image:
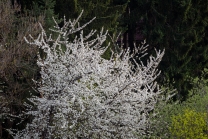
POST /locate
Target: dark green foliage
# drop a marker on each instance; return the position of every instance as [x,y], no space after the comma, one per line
[46,7]
[108,14]
[181,28]
[41,7]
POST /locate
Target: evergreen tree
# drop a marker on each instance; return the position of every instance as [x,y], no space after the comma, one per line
[41,7]
[108,15]
[181,28]
[45,7]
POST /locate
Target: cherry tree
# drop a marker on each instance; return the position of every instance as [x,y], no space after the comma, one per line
[86,96]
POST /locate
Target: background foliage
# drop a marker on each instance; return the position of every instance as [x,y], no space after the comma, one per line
[181,28]
[18,61]
[162,117]
[190,124]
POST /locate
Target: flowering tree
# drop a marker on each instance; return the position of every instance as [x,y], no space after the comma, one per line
[86,96]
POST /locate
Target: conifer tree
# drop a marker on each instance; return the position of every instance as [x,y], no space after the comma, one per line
[46,7]
[108,15]
[181,28]
[41,7]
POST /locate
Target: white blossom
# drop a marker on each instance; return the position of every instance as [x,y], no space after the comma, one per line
[87,96]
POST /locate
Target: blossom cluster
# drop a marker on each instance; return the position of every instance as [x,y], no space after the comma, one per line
[86,96]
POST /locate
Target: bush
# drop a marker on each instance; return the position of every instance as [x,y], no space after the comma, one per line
[189,125]
[162,118]
[86,96]
[18,62]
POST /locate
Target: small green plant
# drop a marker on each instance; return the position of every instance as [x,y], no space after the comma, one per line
[189,125]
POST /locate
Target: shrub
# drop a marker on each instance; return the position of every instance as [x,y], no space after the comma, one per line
[87,96]
[161,119]
[18,62]
[189,125]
